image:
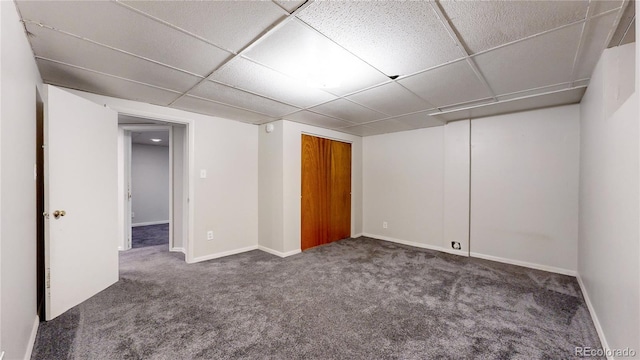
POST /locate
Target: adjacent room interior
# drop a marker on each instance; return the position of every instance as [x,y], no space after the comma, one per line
[319,179]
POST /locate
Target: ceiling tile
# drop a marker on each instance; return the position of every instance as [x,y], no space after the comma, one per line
[290,5]
[359,130]
[228,95]
[349,111]
[566,97]
[74,78]
[229,24]
[54,45]
[484,25]
[540,61]
[596,34]
[447,85]
[377,128]
[311,118]
[306,55]
[418,120]
[626,26]
[397,37]
[108,23]
[144,137]
[201,106]
[391,99]
[247,75]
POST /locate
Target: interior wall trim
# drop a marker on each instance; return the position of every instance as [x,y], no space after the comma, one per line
[222,254]
[594,316]
[279,253]
[32,338]
[552,269]
[159,222]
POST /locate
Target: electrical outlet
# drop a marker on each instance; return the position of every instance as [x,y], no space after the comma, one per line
[385,225]
[209,235]
[133,214]
[456,245]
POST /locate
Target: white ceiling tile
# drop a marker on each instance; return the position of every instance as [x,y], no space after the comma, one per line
[304,54]
[67,76]
[377,128]
[54,45]
[447,85]
[247,75]
[349,111]
[228,95]
[391,99]
[108,23]
[359,130]
[596,34]
[397,37]
[291,5]
[484,25]
[565,97]
[311,118]
[540,61]
[229,24]
[201,106]
[144,137]
[418,120]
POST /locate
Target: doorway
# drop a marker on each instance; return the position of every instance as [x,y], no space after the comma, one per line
[326,191]
[153,178]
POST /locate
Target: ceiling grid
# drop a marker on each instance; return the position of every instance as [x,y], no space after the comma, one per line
[363,68]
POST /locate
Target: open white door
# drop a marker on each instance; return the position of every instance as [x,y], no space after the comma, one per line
[81,225]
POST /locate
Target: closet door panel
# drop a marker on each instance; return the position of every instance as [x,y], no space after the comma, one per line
[315,191]
[340,191]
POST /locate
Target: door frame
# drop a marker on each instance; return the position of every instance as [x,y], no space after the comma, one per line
[125,208]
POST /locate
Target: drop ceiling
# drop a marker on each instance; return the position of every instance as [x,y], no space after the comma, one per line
[358,67]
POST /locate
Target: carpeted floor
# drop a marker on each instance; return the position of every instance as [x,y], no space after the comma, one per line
[352,299]
[150,235]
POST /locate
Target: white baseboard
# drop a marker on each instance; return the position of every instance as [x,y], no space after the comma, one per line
[403,242]
[279,253]
[592,312]
[150,223]
[455,252]
[355,236]
[177,249]
[32,338]
[552,269]
[222,254]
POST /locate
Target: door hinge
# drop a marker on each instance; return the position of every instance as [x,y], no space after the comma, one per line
[48,278]
[45,214]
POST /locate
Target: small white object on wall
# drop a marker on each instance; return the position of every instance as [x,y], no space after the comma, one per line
[269,128]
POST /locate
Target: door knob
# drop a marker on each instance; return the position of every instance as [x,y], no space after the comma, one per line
[58,213]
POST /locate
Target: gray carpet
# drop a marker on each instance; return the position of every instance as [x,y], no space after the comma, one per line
[352,299]
[150,235]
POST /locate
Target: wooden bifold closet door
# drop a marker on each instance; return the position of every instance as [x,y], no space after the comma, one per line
[326,191]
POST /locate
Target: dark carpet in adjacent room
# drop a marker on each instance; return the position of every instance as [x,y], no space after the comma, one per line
[150,235]
[352,299]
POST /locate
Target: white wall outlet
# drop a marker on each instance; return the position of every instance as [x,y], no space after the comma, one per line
[133,214]
[209,235]
[385,225]
[203,173]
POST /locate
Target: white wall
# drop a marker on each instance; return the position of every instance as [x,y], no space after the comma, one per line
[226,201]
[20,78]
[149,184]
[292,180]
[404,185]
[524,188]
[609,209]
[271,188]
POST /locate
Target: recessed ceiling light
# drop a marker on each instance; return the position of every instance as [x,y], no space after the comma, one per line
[156,140]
